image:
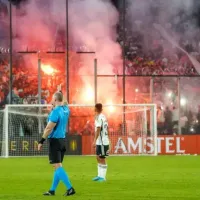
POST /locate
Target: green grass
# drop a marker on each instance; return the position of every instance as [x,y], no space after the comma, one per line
[134,178]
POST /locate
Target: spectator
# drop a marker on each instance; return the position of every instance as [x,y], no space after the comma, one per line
[198,121]
[15,97]
[160,119]
[168,121]
[175,119]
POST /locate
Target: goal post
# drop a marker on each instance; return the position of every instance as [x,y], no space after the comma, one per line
[22,126]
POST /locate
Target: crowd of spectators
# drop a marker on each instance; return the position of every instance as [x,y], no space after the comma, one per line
[147,52]
[24,85]
[168,121]
[25,82]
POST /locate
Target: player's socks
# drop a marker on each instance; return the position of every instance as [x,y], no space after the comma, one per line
[103,171]
[55,181]
[99,170]
[64,177]
[99,173]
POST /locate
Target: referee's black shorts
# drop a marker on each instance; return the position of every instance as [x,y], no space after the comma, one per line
[57,148]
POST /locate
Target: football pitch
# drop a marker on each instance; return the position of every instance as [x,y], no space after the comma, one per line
[134,178]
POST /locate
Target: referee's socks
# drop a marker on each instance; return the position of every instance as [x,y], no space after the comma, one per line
[62,175]
[55,182]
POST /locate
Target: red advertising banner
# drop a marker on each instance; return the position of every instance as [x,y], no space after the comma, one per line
[166,145]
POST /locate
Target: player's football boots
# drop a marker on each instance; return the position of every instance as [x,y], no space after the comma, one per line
[101,179]
[96,178]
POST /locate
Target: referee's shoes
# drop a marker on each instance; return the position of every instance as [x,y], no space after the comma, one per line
[69,192]
[49,193]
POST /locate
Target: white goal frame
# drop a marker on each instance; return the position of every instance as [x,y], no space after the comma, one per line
[5,137]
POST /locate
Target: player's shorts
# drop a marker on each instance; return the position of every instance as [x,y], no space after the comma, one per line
[102,151]
[57,148]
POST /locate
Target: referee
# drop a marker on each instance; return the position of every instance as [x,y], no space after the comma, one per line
[55,132]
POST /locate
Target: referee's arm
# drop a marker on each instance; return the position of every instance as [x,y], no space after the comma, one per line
[50,126]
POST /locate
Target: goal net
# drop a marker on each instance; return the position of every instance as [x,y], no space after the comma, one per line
[132,129]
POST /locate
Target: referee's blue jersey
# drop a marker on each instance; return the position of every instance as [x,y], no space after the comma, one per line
[60,116]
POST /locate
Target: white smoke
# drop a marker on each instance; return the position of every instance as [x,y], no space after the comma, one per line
[167,14]
[32,27]
[171,21]
[93,25]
